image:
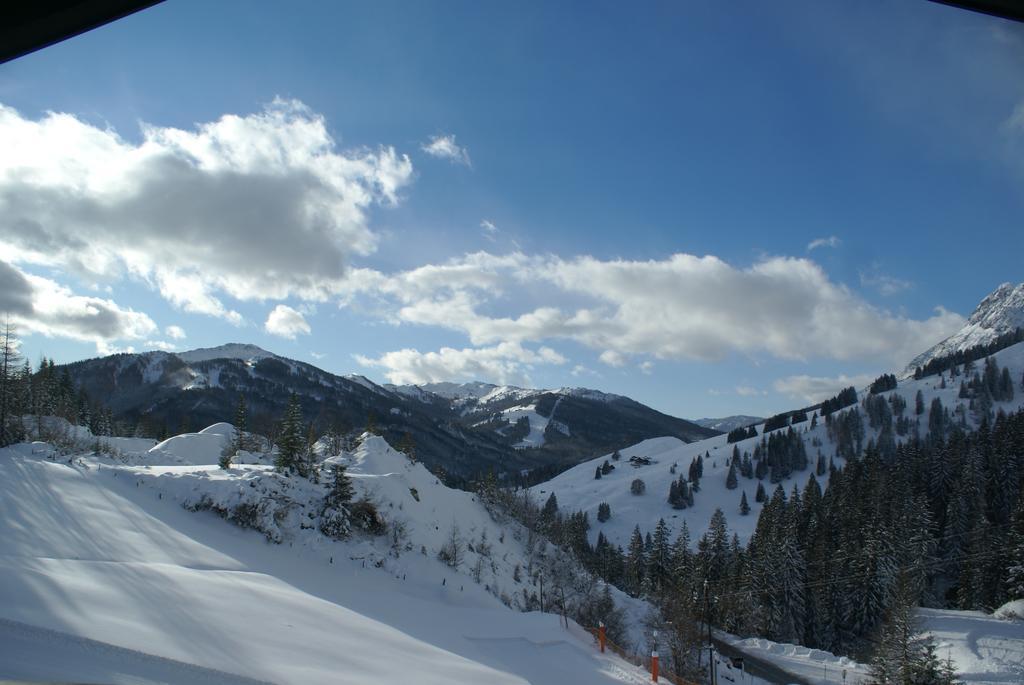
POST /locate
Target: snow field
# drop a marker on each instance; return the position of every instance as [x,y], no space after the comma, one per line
[103,549]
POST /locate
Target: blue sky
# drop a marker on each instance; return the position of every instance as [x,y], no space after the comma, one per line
[593,194]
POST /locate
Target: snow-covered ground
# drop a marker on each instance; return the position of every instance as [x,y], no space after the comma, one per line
[105,576]
[985,649]
[538,424]
[577,489]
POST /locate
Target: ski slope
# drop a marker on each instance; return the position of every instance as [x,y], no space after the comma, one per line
[105,576]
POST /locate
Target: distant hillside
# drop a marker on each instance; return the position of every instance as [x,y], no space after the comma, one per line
[467,430]
[728,423]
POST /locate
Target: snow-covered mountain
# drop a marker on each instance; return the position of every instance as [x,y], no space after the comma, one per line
[572,422]
[659,461]
[466,429]
[124,574]
[727,423]
[1000,313]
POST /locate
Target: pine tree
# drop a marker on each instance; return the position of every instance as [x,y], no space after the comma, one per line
[744,506]
[731,481]
[549,515]
[597,473]
[290,440]
[341,492]
[241,441]
[604,512]
[902,655]
[9,361]
[919,403]
[636,563]
[660,556]
[1015,567]
[760,495]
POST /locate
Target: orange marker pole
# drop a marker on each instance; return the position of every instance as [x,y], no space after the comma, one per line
[600,635]
[654,666]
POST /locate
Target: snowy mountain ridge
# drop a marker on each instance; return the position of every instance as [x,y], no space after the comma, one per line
[1001,312]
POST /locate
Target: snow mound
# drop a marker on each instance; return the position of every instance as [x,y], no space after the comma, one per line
[223,429]
[1012,610]
[203,448]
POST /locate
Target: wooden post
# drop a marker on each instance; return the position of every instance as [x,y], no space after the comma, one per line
[600,635]
[654,666]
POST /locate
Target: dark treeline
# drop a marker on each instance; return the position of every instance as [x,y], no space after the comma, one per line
[27,395]
[883,383]
[971,354]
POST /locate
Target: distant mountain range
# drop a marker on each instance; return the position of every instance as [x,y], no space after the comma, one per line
[466,429]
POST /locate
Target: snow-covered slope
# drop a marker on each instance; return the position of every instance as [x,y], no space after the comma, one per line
[727,423]
[577,488]
[1001,312]
[108,575]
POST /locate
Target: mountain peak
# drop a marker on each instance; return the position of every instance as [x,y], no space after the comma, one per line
[999,313]
[241,351]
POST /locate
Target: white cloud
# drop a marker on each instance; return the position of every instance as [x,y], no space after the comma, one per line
[317,355]
[884,284]
[813,389]
[646,367]
[41,305]
[286,322]
[831,241]
[681,307]
[613,358]
[445,147]
[256,207]
[160,345]
[747,391]
[490,231]
[175,332]
[505,363]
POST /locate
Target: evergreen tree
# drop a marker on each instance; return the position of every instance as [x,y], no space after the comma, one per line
[636,563]
[919,403]
[660,557]
[240,440]
[760,495]
[597,473]
[1015,566]
[903,656]
[604,512]
[731,481]
[290,439]
[341,492]
[744,506]
[9,361]
[549,514]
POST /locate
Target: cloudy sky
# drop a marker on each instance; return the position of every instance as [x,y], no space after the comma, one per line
[711,212]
